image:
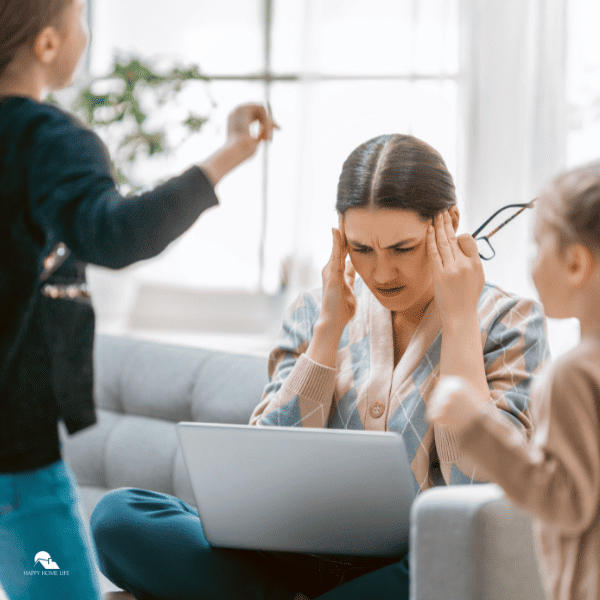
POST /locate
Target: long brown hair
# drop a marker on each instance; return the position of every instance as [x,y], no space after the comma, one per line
[398,172]
[22,20]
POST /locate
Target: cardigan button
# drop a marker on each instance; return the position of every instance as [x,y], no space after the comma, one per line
[377,410]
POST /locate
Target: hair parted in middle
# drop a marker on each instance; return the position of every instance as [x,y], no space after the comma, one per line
[396,172]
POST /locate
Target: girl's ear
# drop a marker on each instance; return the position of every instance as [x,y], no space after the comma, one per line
[580,264]
[46,45]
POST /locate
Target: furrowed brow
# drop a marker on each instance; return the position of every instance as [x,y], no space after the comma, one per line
[396,245]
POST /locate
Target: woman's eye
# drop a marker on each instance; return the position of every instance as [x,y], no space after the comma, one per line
[403,250]
[362,250]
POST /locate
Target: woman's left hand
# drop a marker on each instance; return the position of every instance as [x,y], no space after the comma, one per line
[458,276]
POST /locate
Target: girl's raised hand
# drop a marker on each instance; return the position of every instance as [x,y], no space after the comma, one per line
[238,128]
[241,144]
[453,404]
[458,276]
[339,301]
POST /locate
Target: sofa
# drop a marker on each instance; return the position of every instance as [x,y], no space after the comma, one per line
[467,542]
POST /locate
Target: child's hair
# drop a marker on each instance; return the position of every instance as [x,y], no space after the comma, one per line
[575,204]
[22,20]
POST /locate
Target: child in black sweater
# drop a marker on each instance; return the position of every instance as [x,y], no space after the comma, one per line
[57,191]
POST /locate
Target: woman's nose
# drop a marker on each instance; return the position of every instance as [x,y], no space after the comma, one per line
[384,271]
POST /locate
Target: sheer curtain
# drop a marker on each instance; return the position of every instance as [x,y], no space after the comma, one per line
[513,115]
[483,82]
[366,68]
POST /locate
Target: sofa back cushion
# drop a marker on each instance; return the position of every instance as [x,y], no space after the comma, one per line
[142,389]
[176,383]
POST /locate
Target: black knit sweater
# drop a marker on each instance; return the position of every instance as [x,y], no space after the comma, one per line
[56,185]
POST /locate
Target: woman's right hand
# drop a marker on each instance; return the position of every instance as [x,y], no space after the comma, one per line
[339,301]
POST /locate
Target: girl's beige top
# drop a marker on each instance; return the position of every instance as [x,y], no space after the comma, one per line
[557,477]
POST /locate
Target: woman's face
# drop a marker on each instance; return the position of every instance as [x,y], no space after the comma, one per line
[388,250]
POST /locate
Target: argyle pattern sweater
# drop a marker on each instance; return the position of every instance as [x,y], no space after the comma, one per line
[364,391]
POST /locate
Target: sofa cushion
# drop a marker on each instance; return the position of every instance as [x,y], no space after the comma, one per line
[176,383]
[142,390]
[228,387]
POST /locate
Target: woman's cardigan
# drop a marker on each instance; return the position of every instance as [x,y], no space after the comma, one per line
[365,391]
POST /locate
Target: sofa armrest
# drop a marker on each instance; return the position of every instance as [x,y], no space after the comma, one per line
[471,543]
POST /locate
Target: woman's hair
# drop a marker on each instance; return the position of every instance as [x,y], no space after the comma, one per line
[22,20]
[396,171]
[575,207]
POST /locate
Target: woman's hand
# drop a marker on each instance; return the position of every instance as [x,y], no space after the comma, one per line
[458,276]
[454,404]
[240,144]
[339,301]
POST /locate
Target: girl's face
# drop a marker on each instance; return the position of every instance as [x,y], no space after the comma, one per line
[388,250]
[74,39]
[548,269]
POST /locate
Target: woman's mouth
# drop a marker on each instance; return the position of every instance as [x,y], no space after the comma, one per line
[390,291]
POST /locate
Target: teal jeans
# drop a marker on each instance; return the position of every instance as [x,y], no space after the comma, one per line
[45,551]
[153,545]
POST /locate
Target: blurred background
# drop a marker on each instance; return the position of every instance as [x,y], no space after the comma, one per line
[508,91]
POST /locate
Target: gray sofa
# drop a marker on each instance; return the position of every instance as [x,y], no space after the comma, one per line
[467,542]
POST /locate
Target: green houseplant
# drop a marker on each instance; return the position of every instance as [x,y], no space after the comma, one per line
[119,111]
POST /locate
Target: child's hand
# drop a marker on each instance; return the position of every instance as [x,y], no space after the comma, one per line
[241,144]
[454,404]
[238,128]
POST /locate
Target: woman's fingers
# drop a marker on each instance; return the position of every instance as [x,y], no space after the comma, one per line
[343,240]
[432,249]
[441,237]
[350,274]
[468,245]
[450,233]
[338,256]
[343,232]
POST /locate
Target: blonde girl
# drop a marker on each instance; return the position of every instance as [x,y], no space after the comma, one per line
[557,477]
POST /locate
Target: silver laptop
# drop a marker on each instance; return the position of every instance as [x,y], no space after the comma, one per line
[300,489]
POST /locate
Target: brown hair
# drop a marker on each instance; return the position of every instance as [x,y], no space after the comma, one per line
[397,172]
[574,199]
[22,20]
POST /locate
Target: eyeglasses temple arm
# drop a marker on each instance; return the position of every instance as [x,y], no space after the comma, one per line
[521,206]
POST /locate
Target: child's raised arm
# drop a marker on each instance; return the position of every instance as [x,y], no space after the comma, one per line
[557,477]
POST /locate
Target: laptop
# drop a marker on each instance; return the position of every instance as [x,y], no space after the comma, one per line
[299,489]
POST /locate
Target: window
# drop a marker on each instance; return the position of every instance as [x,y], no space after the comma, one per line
[336,73]
[583,82]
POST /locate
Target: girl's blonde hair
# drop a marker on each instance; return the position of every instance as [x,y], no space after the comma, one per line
[22,20]
[575,207]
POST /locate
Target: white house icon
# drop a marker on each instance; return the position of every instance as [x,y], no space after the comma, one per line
[44,559]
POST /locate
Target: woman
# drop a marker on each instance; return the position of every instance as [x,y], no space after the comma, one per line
[365,352]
